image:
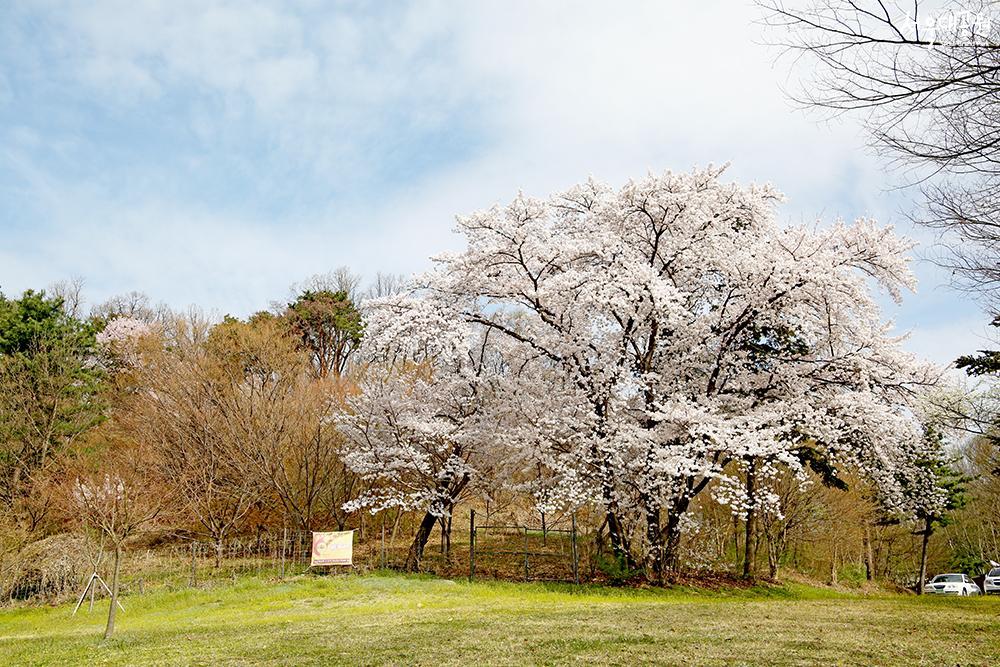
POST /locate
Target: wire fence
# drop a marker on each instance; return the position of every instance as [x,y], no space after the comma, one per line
[515,552]
[544,551]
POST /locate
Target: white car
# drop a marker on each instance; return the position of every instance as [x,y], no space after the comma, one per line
[952,584]
[991,586]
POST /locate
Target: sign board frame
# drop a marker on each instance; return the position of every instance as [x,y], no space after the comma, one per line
[332,548]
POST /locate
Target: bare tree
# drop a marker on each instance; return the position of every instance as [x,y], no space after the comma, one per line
[135,305]
[293,449]
[70,291]
[385,284]
[274,417]
[175,409]
[926,84]
[341,279]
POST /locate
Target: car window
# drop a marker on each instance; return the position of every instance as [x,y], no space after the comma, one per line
[995,572]
[947,578]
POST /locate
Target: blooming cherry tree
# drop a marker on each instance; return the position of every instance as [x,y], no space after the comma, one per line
[425,427]
[120,338]
[678,333]
[118,504]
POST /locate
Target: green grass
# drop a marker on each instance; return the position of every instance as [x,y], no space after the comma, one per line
[395,619]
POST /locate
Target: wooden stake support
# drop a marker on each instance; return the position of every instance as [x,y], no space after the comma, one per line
[90,588]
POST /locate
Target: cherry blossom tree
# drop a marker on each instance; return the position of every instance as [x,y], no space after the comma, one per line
[118,502]
[119,341]
[425,428]
[931,488]
[676,330]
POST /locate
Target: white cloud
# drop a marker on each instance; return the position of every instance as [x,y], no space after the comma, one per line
[122,78]
[944,341]
[556,91]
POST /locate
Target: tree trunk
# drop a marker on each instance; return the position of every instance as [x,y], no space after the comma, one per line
[772,561]
[619,541]
[218,552]
[776,546]
[736,540]
[616,532]
[928,528]
[395,528]
[748,536]
[866,538]
[447,534]
[672,543]
[114,593]
[655,538]
[444,527]
[416,552]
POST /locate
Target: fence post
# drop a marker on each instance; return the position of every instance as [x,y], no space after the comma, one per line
[256,553]
[284,545]
[383,542]
[472,543]
[525,553]
[194,572]
[576,555]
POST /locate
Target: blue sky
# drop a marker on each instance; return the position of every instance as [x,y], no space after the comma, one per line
[216,152]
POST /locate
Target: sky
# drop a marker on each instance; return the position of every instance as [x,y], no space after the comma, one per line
[214,153]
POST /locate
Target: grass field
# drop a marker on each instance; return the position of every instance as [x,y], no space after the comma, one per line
[380,619]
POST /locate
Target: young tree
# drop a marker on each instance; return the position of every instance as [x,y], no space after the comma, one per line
[796,506]
[932,490]
[118,499]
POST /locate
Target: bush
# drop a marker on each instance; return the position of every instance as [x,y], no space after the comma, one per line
[616,569]
[46,569]
[966,562]
[852,574]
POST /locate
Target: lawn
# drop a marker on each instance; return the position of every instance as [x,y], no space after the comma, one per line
[394,619]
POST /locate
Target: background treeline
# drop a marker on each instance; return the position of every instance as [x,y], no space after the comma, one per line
[136,423]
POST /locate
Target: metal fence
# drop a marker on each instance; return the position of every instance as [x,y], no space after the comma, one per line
[524,544]
[549,553]
[178,564]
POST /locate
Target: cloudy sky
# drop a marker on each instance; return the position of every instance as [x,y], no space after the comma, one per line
[216,152]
